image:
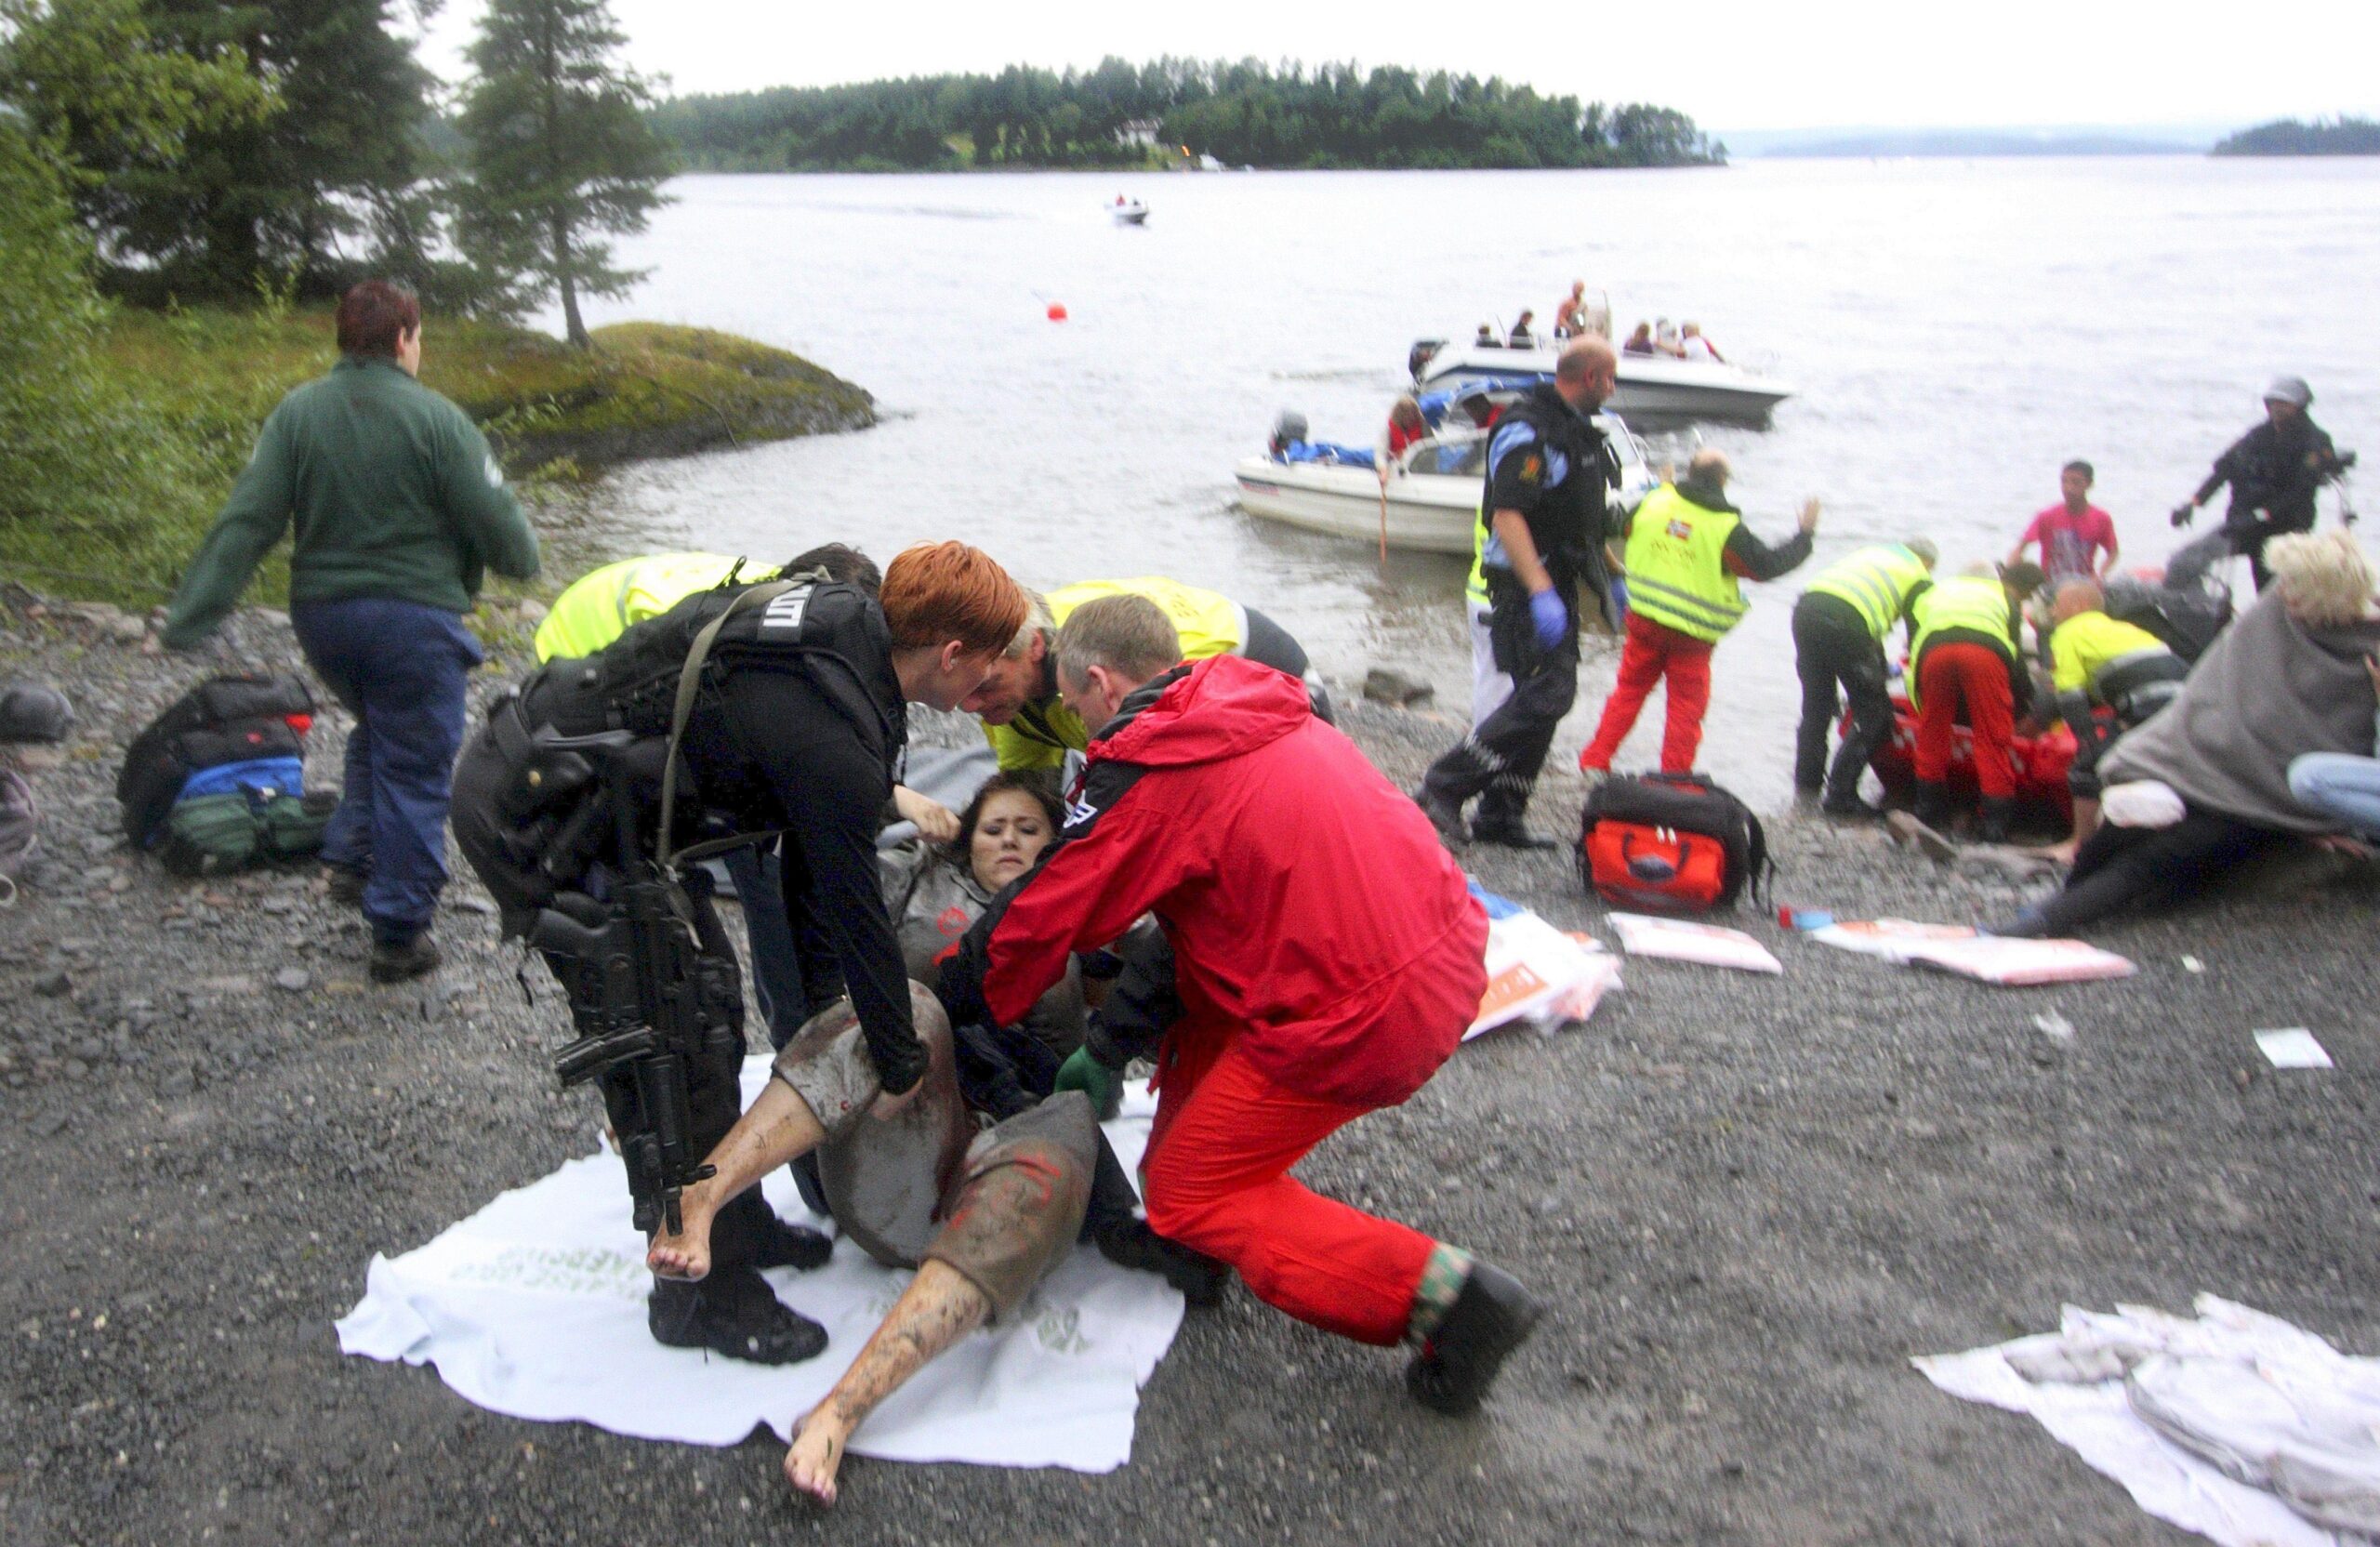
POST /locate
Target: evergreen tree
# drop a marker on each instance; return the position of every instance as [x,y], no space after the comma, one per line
[293,195]
[558,150]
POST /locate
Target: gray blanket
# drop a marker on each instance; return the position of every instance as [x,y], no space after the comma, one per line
[2268,690]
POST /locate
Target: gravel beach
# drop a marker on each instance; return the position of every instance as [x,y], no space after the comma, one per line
[1747,1201]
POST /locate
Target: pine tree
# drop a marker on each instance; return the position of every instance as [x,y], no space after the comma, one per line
[260,200]
[558,150]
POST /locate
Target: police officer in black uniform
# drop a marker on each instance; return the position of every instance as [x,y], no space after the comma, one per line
[2274,470]
[1545,518]
[797,720]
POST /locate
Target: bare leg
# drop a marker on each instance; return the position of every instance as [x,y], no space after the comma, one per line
[778,1126]
[940,1307]
[2086,822]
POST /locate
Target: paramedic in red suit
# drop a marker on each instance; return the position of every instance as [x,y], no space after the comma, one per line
[1327,956]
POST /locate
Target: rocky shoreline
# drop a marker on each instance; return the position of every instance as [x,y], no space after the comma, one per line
[1748,1199]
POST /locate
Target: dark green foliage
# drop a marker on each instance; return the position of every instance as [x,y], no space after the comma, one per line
[90,477]
[312,195]
[2287,137]
[558,150]
[1244,113]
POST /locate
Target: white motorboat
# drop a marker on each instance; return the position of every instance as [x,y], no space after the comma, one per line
[1651,386]
[1129,212]
[1431,499]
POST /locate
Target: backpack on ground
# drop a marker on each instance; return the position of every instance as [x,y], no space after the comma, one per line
[215,835]
[1670,844]
[224,720]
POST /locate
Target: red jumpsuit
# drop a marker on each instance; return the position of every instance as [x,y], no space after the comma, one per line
[1956,671]
[1327,954]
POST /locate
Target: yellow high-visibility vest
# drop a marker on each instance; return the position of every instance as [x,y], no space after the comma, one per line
[1971,602]
[1876,582]
[1677,574]
[1045,730]
[599,606]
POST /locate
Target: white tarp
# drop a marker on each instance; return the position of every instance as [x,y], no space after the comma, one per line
[535,1307]
[2275,1403]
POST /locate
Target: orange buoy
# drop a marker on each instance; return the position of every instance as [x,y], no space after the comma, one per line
[1057,313]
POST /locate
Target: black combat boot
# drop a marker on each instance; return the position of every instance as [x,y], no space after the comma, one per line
[735,1314]
[1130,1243]
[1933,804]
[1992,828]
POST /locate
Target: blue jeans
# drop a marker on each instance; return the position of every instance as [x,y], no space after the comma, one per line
[2340,785]
[776,963]
[399,667]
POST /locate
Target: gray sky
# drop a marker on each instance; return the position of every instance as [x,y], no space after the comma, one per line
[1751,64]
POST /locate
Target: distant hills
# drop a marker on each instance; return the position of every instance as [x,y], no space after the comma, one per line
[2287,137]
[2161,141]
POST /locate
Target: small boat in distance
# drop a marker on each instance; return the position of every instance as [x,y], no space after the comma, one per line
[1651,386]
[1129,212]
[1432,494]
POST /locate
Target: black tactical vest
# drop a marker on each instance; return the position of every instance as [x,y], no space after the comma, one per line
[1571,524]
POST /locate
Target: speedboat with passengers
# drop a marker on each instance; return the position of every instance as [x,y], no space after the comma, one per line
[1129,212]
[1651,386]
[1430,501]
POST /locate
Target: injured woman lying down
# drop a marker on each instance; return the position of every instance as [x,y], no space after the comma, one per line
[936,892]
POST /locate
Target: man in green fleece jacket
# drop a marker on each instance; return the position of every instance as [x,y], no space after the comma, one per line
[399,508]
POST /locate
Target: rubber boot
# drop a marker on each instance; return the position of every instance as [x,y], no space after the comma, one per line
[1998,810]
[1489,1319]
[1933,804]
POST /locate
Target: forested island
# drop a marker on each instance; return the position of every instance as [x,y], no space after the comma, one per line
[1121,115]
[2287,137]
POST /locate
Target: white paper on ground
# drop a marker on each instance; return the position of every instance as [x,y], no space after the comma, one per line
[535,1307]
[2293,1048]
[2094,1418]
[1537,973]
[1678,940]
[1887,938]
[2019,963]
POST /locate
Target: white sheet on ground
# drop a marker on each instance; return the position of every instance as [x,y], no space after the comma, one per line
[535,1307]
[1677,940]
[2293,1048]
[2180,1411]
[2018,963]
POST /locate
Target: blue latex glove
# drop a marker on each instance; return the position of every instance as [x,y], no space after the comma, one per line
[1546,612]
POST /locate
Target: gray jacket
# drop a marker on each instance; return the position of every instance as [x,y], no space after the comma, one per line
[2268,690]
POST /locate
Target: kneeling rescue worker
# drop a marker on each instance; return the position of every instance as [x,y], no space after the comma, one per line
[1328,957]
[2102,662]
[1968,654]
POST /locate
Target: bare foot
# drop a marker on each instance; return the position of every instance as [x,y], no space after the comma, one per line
[2062,850]
[687,1253]
[817,1450]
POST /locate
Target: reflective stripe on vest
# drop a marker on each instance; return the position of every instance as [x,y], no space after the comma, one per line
[1974,603]
[1876,582]
[1677,574]
[1475,587]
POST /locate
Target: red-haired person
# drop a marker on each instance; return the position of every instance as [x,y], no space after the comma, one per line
[799,717]
[398,506]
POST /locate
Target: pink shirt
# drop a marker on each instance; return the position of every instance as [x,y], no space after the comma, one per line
[2069,543]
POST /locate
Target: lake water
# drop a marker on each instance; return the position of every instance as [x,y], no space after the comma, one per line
[1957,330]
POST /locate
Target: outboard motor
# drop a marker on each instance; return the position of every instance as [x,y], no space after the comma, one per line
[1287,430]
[1418,358]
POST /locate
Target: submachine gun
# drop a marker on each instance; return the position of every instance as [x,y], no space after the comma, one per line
[645,997]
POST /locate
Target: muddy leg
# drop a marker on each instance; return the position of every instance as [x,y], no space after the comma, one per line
[940,1307]
[778,1126]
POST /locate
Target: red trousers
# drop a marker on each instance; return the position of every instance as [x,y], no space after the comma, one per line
[1954,672]
[1650,652]
[1216,1179]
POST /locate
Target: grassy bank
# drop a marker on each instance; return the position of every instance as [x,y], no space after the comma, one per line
[209,377]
